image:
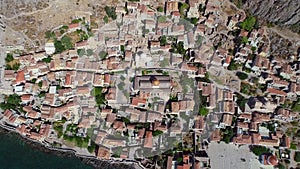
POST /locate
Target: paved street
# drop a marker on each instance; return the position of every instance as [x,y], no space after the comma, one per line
[2,51]
[229,156]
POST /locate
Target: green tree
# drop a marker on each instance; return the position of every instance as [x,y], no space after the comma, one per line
[293,146]
[163,40]
[296,106]
[244,40]
[92,147]
[67,42]
[16,66]
[9,58]
[281,166]
[248,23]
[227,134]
[105,19]
[162,19]
[33,80]
[76,20]
[233,65]
[47,60]
[242,75]
[122,47]
[81,52]
[14,99]
[125,120]
[103,55]
[89,52]
[40,84]
[203,111]
[157,132]
[183,7]
[259,150]
[194,20]
[99,96]
[111,12]
[241,101]
[297,156]
[59,47]
[160,9]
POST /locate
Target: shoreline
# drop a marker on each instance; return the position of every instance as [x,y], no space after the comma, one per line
[91,161]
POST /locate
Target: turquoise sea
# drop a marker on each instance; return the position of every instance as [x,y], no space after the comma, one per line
[16,154]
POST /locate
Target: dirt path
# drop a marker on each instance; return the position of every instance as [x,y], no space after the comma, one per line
[287,34]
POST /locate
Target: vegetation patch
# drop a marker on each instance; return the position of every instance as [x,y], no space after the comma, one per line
[11,63]
[64,44]
[11,102]
[227,134]
[242,75]
[111,12]
[47,59]
[99,96]
[248,23]
[259,150]
[297,156]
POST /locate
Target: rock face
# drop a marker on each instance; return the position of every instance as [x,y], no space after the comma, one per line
[282,47]
[280,12]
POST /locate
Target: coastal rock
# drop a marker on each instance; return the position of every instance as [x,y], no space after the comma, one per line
[95,163]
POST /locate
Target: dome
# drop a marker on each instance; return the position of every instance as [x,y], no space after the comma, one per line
[272,160]
[155,82]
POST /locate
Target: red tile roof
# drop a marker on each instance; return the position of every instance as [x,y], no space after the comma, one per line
[276,92]
[136,101]
[148,143]
[20,77]
[73,25]
[26,97]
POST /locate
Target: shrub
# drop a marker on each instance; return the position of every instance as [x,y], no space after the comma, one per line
[242,75]
[49,35]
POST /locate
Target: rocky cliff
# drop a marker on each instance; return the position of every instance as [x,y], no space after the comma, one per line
[285,13]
